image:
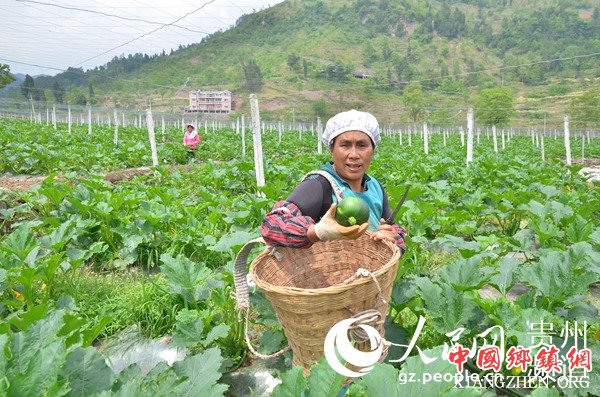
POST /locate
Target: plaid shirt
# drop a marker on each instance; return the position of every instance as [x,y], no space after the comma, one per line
[286,226]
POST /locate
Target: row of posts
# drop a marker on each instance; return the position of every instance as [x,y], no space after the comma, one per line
[259,128]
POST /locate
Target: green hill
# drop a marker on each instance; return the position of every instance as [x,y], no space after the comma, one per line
[305,53]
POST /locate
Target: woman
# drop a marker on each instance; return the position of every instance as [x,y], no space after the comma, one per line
[307,216]
[191,139]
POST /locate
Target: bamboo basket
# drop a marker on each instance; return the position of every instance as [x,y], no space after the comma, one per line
[313,289]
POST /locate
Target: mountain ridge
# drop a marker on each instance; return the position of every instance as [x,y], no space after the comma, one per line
[307,51]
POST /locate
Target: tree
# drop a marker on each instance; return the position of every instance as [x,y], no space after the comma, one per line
[91,95]
[5,77]
[80,99]
[414,100]
[253,75]
[59,92]
[27,87]
[337,72]
[495,106]
[319,108]
[585,110]
[293,61]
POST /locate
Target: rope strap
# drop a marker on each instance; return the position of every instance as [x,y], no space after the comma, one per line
[251,348]
[362,272]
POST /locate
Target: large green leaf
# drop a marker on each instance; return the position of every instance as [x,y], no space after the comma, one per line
[293,383]
[411,378]
[382,381]
[323,380]
[448,308]
[465,274]
[202,372]
[504,279]
[558,277]
[87,372]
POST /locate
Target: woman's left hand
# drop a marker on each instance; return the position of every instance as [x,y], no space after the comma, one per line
[384,232]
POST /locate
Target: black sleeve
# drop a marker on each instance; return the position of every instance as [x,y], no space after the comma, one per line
[313,197]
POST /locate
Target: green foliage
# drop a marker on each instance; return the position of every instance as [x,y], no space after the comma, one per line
[253,75]
[585,109]
[320,109]
[462,223]
[30,91]
[495,106]
[415,102]
[58,91]
[5,76]
[336,72]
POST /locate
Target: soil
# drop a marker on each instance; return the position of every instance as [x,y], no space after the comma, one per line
[22,183]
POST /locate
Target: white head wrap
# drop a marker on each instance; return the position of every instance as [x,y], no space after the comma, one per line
[190,125]
[352,120]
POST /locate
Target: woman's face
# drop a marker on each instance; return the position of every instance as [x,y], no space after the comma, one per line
[190,128]
[352,152]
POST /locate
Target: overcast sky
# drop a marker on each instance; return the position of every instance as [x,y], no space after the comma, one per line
[56,34]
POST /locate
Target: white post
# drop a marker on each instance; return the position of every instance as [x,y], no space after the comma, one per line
[503,142]
[470,125]
[237,126]
[256,137]
[206,127]
[69,117]
[150,124]
[409,137]
[444,137]
[462,137]
[47,116]
[543,150]
[54,116]
[279,130]
[116,133]
[243,137]
[32,109]
[162,120]
[567,140]
[140,120]
[400,134]
[319,133]
[89,120]
[425,139]
[123,119]
[494,138]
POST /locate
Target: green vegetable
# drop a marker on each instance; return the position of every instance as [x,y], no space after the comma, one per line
[352,211]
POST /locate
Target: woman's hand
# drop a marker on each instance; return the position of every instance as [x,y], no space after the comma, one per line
[328,229]
[384,232]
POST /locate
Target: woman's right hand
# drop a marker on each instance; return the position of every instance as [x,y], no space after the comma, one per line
[328,229]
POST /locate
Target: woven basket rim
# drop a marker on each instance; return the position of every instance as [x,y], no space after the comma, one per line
[332,289]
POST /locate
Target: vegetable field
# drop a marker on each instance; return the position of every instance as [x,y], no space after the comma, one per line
[509,242]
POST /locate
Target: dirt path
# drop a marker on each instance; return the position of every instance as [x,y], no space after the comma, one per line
[22,183]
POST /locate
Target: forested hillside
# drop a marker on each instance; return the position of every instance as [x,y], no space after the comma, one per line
[304,58]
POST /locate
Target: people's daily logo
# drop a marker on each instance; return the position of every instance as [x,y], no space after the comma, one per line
[337,345]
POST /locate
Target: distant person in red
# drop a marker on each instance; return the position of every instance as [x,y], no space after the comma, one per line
[191,139]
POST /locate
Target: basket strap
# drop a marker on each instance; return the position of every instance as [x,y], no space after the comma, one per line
[338,191]
[240,273]
[242,297]
[251,348]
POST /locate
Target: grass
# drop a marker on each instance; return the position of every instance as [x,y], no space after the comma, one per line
[129,299]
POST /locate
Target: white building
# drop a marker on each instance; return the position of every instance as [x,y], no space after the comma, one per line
[210,101]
